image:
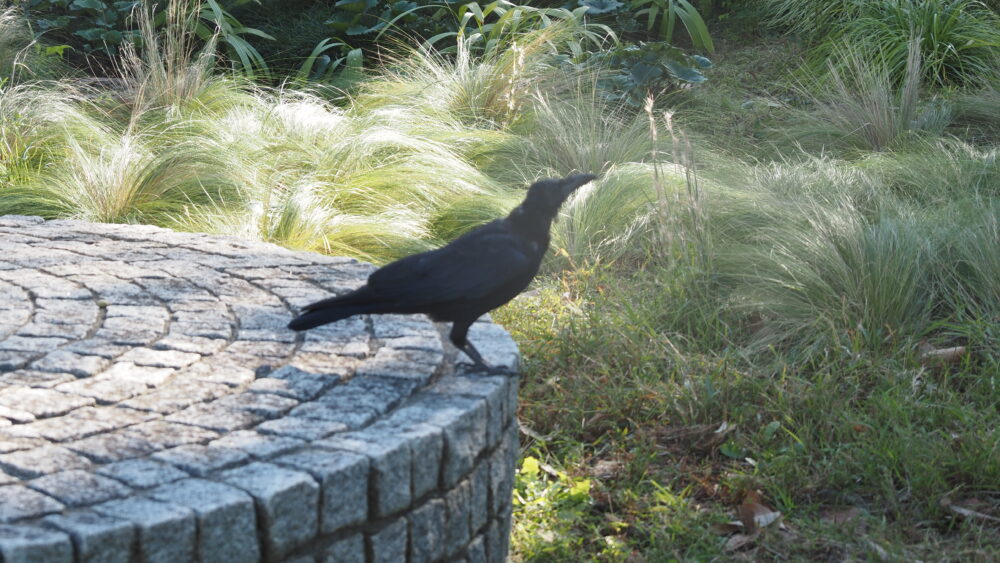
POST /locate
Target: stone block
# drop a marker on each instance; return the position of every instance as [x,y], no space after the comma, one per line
[105,391]
[111,447]
[413,365]
[348,550]
[287,504]
[166,532]
[142,473]
[388,545]
[60,428]
[426,452]
[492,389]
[427,531]
[378,394]
[463,423]
[42,402]
[32,378]
[498,539]
[294,383]
[260,446]
[352,417]
[332,361]
[390,466]
[164,434]
[479,514]
[131,372]
[301,428]
[216,416]
[96,347]
[476,552]
[32,544]
[495,345]
[79,488]
[96,538]
[201,460]
[267,405]
[65,361]
[18,502]
[226,520]
[176,395]
[503,462]
[190,344]
[458,501]
[343,479]
[43,460]
[216,370]
[159,358]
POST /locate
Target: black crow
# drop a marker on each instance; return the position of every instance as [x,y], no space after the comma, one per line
[473,274]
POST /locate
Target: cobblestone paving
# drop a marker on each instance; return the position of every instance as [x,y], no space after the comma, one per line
[154,407]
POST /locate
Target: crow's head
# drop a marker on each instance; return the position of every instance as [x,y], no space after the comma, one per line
[545,196]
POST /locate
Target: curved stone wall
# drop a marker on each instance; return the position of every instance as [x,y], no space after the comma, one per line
[153,407]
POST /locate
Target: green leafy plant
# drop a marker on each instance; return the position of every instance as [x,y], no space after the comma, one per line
[213,21]
[660,15]
[320,67]
[959,40]
[491,28]
[102,27]
[363,17]
[663,14]
[638,70]
[94,25]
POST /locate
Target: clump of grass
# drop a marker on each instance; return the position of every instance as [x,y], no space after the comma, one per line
[958,40]
[169,69]
[938,173]
[577,131]
[859,105]
[361,183]
[482,90]
[122,180]
[36,121]
[975,113]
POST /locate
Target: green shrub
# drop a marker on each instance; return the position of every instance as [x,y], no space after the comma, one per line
[91,25]
[858,104]
[104,27]
[811,19]
[959,40]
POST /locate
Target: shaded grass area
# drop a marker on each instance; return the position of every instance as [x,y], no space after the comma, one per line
[741,313]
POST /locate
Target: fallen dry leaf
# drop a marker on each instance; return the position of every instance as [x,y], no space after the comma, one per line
[738,541]
[606,469]
[840,515]
[880,551]
[962,508]
[549,469]
[930,354]
[755,516]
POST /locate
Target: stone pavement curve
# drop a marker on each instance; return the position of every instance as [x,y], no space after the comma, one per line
[153,407]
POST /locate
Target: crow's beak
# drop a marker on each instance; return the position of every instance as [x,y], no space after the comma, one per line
[571,183]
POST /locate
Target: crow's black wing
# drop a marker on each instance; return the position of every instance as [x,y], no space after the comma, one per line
[473,266]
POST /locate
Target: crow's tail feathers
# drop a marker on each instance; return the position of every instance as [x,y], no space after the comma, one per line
[331,310]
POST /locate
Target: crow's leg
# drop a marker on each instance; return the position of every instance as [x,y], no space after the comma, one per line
[458,336]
